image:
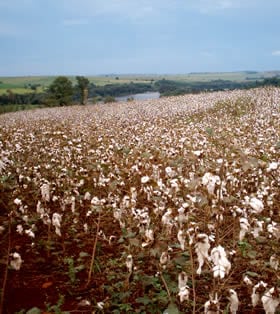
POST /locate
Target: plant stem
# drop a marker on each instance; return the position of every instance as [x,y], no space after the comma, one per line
[166,286]
[7,265]
[193,280]
[94,249]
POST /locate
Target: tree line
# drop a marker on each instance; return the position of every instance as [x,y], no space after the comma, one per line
[62,92]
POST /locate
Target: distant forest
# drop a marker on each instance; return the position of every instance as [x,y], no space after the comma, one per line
[164,87]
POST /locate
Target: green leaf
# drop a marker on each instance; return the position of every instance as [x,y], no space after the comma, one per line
[134,242]
[34,310]
[144,300]
[252,274]
[83,254]
[172,309]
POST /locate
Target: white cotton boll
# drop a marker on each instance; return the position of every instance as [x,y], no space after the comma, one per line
[164,259]
[45,192]
[149,237]
[182,239]
[100,305]
[182,280]
[257,228]
[30,233]
[274,262]
[258,289]
[212,306]
[145,179]
[19,229]
[16,262]
[247,281]
[221,263]
[87,196]
[234,301]
[202,247]
[272,166]
[85,228]
[17,201]
[257,205]
[271,300]
[244,228]
[274,229]
[56,221]
[184,294]
[210,181]
[129,263]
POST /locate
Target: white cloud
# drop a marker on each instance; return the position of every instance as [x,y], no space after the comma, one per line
[276,53]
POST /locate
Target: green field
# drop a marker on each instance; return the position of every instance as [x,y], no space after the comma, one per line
[20,84]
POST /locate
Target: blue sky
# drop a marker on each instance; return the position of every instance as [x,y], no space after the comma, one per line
[89,37]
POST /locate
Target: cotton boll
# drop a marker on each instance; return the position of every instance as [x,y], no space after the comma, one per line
[182,280]
[164,259]
[234,302]
[45,192]
[271,300]
[16,262]
[212,306]
[56,221]
[244,228]
[221,263]
[182,239]
[129,263]
[184,294]
[257,205]
[274,262]
[202,247]
[258,289]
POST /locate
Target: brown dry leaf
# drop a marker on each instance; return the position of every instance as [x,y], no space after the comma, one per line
[47,284]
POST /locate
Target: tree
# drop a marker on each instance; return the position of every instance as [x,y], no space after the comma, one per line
[83,84]
[60,91]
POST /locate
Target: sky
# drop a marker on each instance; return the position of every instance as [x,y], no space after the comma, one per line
[92,37]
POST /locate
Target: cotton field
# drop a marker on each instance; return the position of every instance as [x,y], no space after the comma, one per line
[161,206]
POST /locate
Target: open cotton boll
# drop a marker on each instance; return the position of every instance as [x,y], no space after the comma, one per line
[257,205]
[16,262]
[182,280]
[222,265]
[129,263]
[210,181]
[234,301]
[212,306]
[244,228]
[56,221]
[274,262]
[182,239]
[45,192]
[258,289]
[271,300]
[202,247]
[184,294]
